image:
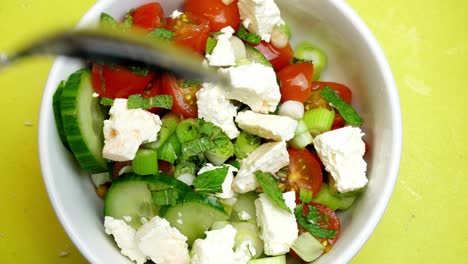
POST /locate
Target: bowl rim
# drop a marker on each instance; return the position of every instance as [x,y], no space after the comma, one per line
[381,202]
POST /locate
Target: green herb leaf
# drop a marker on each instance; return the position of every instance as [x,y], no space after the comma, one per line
[252,38]
[106,101]
[159,101]
[107,21]
[165,197]
[297,60]
[161,33]
[215,34]
[210,45]
[310,222]
[270,187]
[211,181]
[196,147]
[139,70]
[128,21]
[346,111]
[190,83]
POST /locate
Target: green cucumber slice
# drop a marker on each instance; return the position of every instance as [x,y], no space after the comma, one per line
[58,114]
[272,260]
[244,208]
[255,55]
[307,247]
[194,215]
[131,195]
[83,121]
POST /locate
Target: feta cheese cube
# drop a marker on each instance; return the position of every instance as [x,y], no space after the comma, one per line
[215,108]
[162,243]
[279,128]
[255,85]
[278,227]
[223,54]
[176,13]
[269,157]
[127,129]
[342,151]
[216,248]
[124,236]
[260,16]
[227,184]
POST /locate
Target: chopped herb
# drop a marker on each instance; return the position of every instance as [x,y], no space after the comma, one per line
[210,45]
[139,70]
[252,38]
[106,101]
[305,195]
[270,187]
[196,147]
[211,181]
[310,222]
[215,34]
[190,83]
[161,33]
[346,111]
[159,101]
[297,60]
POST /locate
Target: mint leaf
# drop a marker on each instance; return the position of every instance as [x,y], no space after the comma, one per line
[252,38]
[310,223]
[271,189]
[139,70]
[106,101]
[159,101]
[195,147]
[190,83]
[346,111]
[211,181]
[161,33]
[210,45]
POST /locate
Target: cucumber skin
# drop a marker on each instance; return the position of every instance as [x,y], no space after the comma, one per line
[255,55]
[58,114]
[70,113]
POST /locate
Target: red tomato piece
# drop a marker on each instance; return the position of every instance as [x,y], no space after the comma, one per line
[165,167]
[304,171]
[216,12]
[153,90]
[278,57]
[343,91]
[190,31]
[118,81]
[148,17]
[119,165]
[296,81]
[185,100]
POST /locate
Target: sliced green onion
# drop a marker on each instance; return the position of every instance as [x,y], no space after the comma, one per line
[185,167]
[319,120]
[187,130]
[164,197]
[305,51]
[169,125]
[210,45]
[305,195]
[302,136]
[145,162]
[333,200]
[245,144]
[284,28]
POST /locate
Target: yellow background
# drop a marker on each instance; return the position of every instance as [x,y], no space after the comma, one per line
[426,42]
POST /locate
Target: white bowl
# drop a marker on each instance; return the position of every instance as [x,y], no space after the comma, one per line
[355,59]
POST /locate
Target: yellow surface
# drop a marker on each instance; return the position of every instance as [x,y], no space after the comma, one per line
[427,46]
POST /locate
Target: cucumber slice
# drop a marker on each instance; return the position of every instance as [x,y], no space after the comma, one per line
[194,215]
[248,232]
[58,114]
[131,195]
[83,121]
[307,247]
[244,208]
[273,260]
[255,55]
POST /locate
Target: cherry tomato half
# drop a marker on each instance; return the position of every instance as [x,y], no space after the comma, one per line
[190,31]
[315,100]
[304,171]
[216,12]
[148,17]
[296,81]
[118,81]
[278,57]
[185,100]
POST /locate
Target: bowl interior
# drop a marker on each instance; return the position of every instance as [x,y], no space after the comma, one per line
[355,59]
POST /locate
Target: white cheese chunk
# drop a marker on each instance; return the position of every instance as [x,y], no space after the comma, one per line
[278,227]
[126,130]
[279,128]
[124,236]
[342,151]
[260,16]
[215,108]
[269,157]
[162,243]
[216,248]
[175,14]
[223,53]
[227,191]
[255,85]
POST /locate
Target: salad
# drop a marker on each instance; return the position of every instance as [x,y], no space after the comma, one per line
[194,172]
